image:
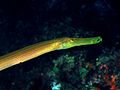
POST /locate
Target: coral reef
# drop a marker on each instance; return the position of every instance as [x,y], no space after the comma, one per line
[94,67]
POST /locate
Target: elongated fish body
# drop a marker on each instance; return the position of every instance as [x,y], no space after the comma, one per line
[35,50]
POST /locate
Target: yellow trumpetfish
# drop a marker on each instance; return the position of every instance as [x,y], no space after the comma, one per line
[32,51]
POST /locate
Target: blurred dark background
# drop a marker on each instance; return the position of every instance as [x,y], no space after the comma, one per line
[24,16]
[24,22]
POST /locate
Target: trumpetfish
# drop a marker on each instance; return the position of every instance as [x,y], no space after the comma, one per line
[35,50]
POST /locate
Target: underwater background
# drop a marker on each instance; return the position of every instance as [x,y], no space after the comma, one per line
[93,67]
